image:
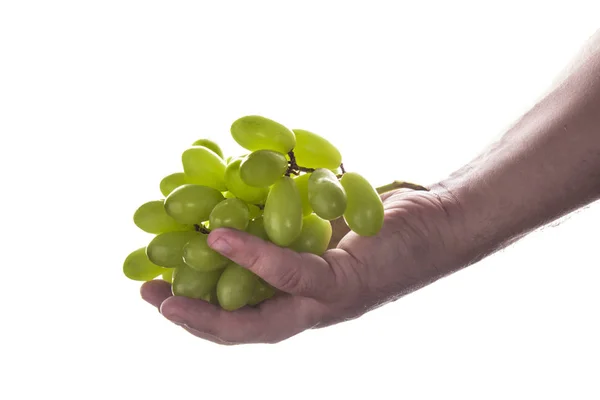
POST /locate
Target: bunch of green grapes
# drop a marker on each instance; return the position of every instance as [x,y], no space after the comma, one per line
[286,190]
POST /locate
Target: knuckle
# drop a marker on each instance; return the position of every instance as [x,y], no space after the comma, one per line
[291,280]
[253,260]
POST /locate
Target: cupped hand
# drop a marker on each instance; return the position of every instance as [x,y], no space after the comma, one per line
[416,246]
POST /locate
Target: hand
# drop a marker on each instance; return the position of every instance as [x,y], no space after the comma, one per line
[415,247]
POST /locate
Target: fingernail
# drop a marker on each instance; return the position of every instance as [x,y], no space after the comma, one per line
[221,245]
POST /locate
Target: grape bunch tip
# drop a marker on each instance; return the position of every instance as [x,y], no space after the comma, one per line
[286,190]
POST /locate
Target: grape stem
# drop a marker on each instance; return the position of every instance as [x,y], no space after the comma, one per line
[400,185]
[201,229]
[295,169]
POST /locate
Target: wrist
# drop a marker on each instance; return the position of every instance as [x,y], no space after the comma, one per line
[434,228]
[482,222]
[466,239]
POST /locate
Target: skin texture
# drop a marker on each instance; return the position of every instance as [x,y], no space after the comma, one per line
[545,166]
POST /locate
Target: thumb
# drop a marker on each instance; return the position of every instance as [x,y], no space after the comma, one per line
[301,274]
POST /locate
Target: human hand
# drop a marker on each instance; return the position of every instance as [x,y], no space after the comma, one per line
[416,246]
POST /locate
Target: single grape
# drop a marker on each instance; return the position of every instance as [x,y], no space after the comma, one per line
[302,184]
[256,227]
[235,287]
[262,291]
[209,144]
[364,211]
[315,236]
[203,167]
[194,284]
[167,276]
[262,168]
[172,182]
[254,132]
[326,195]
[166,249]
[241,189]
[151,217]
[283,212]
[138,267]
[192,204]
[314,151]
[230,213]
[254,211]
[199,256]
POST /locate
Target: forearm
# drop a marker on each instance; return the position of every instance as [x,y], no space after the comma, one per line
[545,166]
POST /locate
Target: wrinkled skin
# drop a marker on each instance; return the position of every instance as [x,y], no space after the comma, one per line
[417,245]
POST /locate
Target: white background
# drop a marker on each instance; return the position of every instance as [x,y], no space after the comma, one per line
[98,100]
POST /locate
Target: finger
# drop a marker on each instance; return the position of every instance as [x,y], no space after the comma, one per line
[155,292]
[273,321]
[300,274]
[208,337]
[387,195]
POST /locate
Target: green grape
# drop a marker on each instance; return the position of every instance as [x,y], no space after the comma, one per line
[199,256]
[314,151]
[194,284]
[209,144]
[228,195]
[203,167]
[262,168]
[254,132]
[336,171]
[254,211]
[315,236]
[263,291]
[326,195]
[151,217]
[283,212]
[172,182]
[211,297]
[241,189]
[138,267]
[302,184]
[364,211]
[235,287]
[166,249]
[192,204]
[256,227]
[230,213]
[168,275]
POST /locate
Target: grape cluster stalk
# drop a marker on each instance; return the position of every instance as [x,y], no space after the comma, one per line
[286,189]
